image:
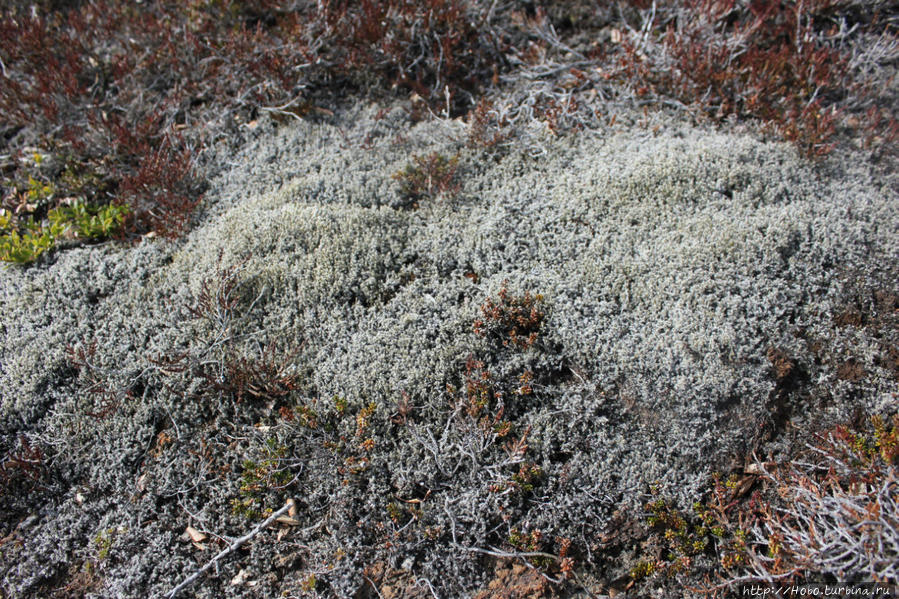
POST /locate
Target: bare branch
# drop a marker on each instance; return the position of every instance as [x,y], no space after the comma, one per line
[231,549]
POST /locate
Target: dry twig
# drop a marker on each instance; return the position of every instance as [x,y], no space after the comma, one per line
[230,549]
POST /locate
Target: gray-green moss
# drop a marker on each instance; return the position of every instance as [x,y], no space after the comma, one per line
[670,264]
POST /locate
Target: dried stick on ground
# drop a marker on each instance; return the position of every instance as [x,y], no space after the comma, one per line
[233,547]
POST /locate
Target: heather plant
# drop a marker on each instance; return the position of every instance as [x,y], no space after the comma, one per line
[217,301]
[428,177]
[830,513]
[514,320]
[100,397]
[260,377]
[480,402]
[486,131]
[446,51]
[22,468]
[836,512]
[807,72]
[769,61]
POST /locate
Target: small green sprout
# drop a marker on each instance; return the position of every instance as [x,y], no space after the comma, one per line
[37,191]
[643,569]
[103,542]
[340,405]
[259,477]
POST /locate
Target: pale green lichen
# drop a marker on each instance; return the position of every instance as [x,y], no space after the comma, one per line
[664,295]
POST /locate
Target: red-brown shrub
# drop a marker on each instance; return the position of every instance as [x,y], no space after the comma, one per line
[514,320]
[762,60]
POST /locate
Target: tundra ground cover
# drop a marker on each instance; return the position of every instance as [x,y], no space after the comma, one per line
[116,103]
[476,393]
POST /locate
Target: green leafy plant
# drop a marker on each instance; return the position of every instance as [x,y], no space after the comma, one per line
[22,242]
[26,245]
[24,248]
[340,404]
[89,222]
[258,477]
[38,191]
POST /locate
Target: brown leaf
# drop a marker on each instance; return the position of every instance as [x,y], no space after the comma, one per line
[195,535]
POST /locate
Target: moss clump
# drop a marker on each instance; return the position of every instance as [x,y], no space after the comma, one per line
[260,476]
